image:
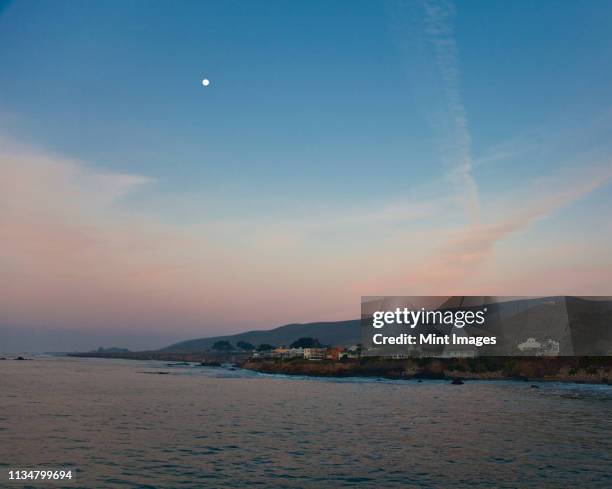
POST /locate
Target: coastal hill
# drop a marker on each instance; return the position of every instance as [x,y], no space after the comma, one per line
[328,333]
[579,324]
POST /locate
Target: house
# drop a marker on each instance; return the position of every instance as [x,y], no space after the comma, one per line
[530,345]
[547,347]
[296,353]
[284,352]
[280,352]
[315,353]
[334,353]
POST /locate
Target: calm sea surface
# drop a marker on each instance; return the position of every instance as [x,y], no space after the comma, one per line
[123,425]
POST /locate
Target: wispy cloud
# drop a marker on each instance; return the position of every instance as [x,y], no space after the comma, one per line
[72,255]
[75,254]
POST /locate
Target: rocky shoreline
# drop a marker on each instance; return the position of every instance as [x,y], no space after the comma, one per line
[592,370]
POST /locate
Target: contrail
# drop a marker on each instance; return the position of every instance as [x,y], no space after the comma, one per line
[439,29]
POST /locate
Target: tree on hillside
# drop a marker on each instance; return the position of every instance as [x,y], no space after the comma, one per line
[306,343]
[265,347]
[245,345]
[222,345]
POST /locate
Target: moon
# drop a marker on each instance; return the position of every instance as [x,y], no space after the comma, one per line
[205,82]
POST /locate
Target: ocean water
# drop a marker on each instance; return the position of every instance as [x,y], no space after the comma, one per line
[121,424]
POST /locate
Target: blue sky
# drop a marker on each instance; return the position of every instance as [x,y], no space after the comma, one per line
[308,99]
[336,109]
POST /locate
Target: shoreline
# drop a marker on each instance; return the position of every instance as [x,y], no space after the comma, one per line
[198,357]
[585,370]
[569,370]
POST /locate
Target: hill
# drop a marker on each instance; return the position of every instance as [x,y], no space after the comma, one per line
[579,324]
[328,333]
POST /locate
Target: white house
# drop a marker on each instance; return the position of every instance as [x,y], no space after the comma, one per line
[315,353]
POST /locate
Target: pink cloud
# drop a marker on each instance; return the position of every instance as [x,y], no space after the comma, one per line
[73,255]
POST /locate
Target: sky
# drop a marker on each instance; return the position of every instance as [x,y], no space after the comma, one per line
[342,149]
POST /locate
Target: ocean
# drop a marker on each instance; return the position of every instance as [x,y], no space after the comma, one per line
[121,423]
